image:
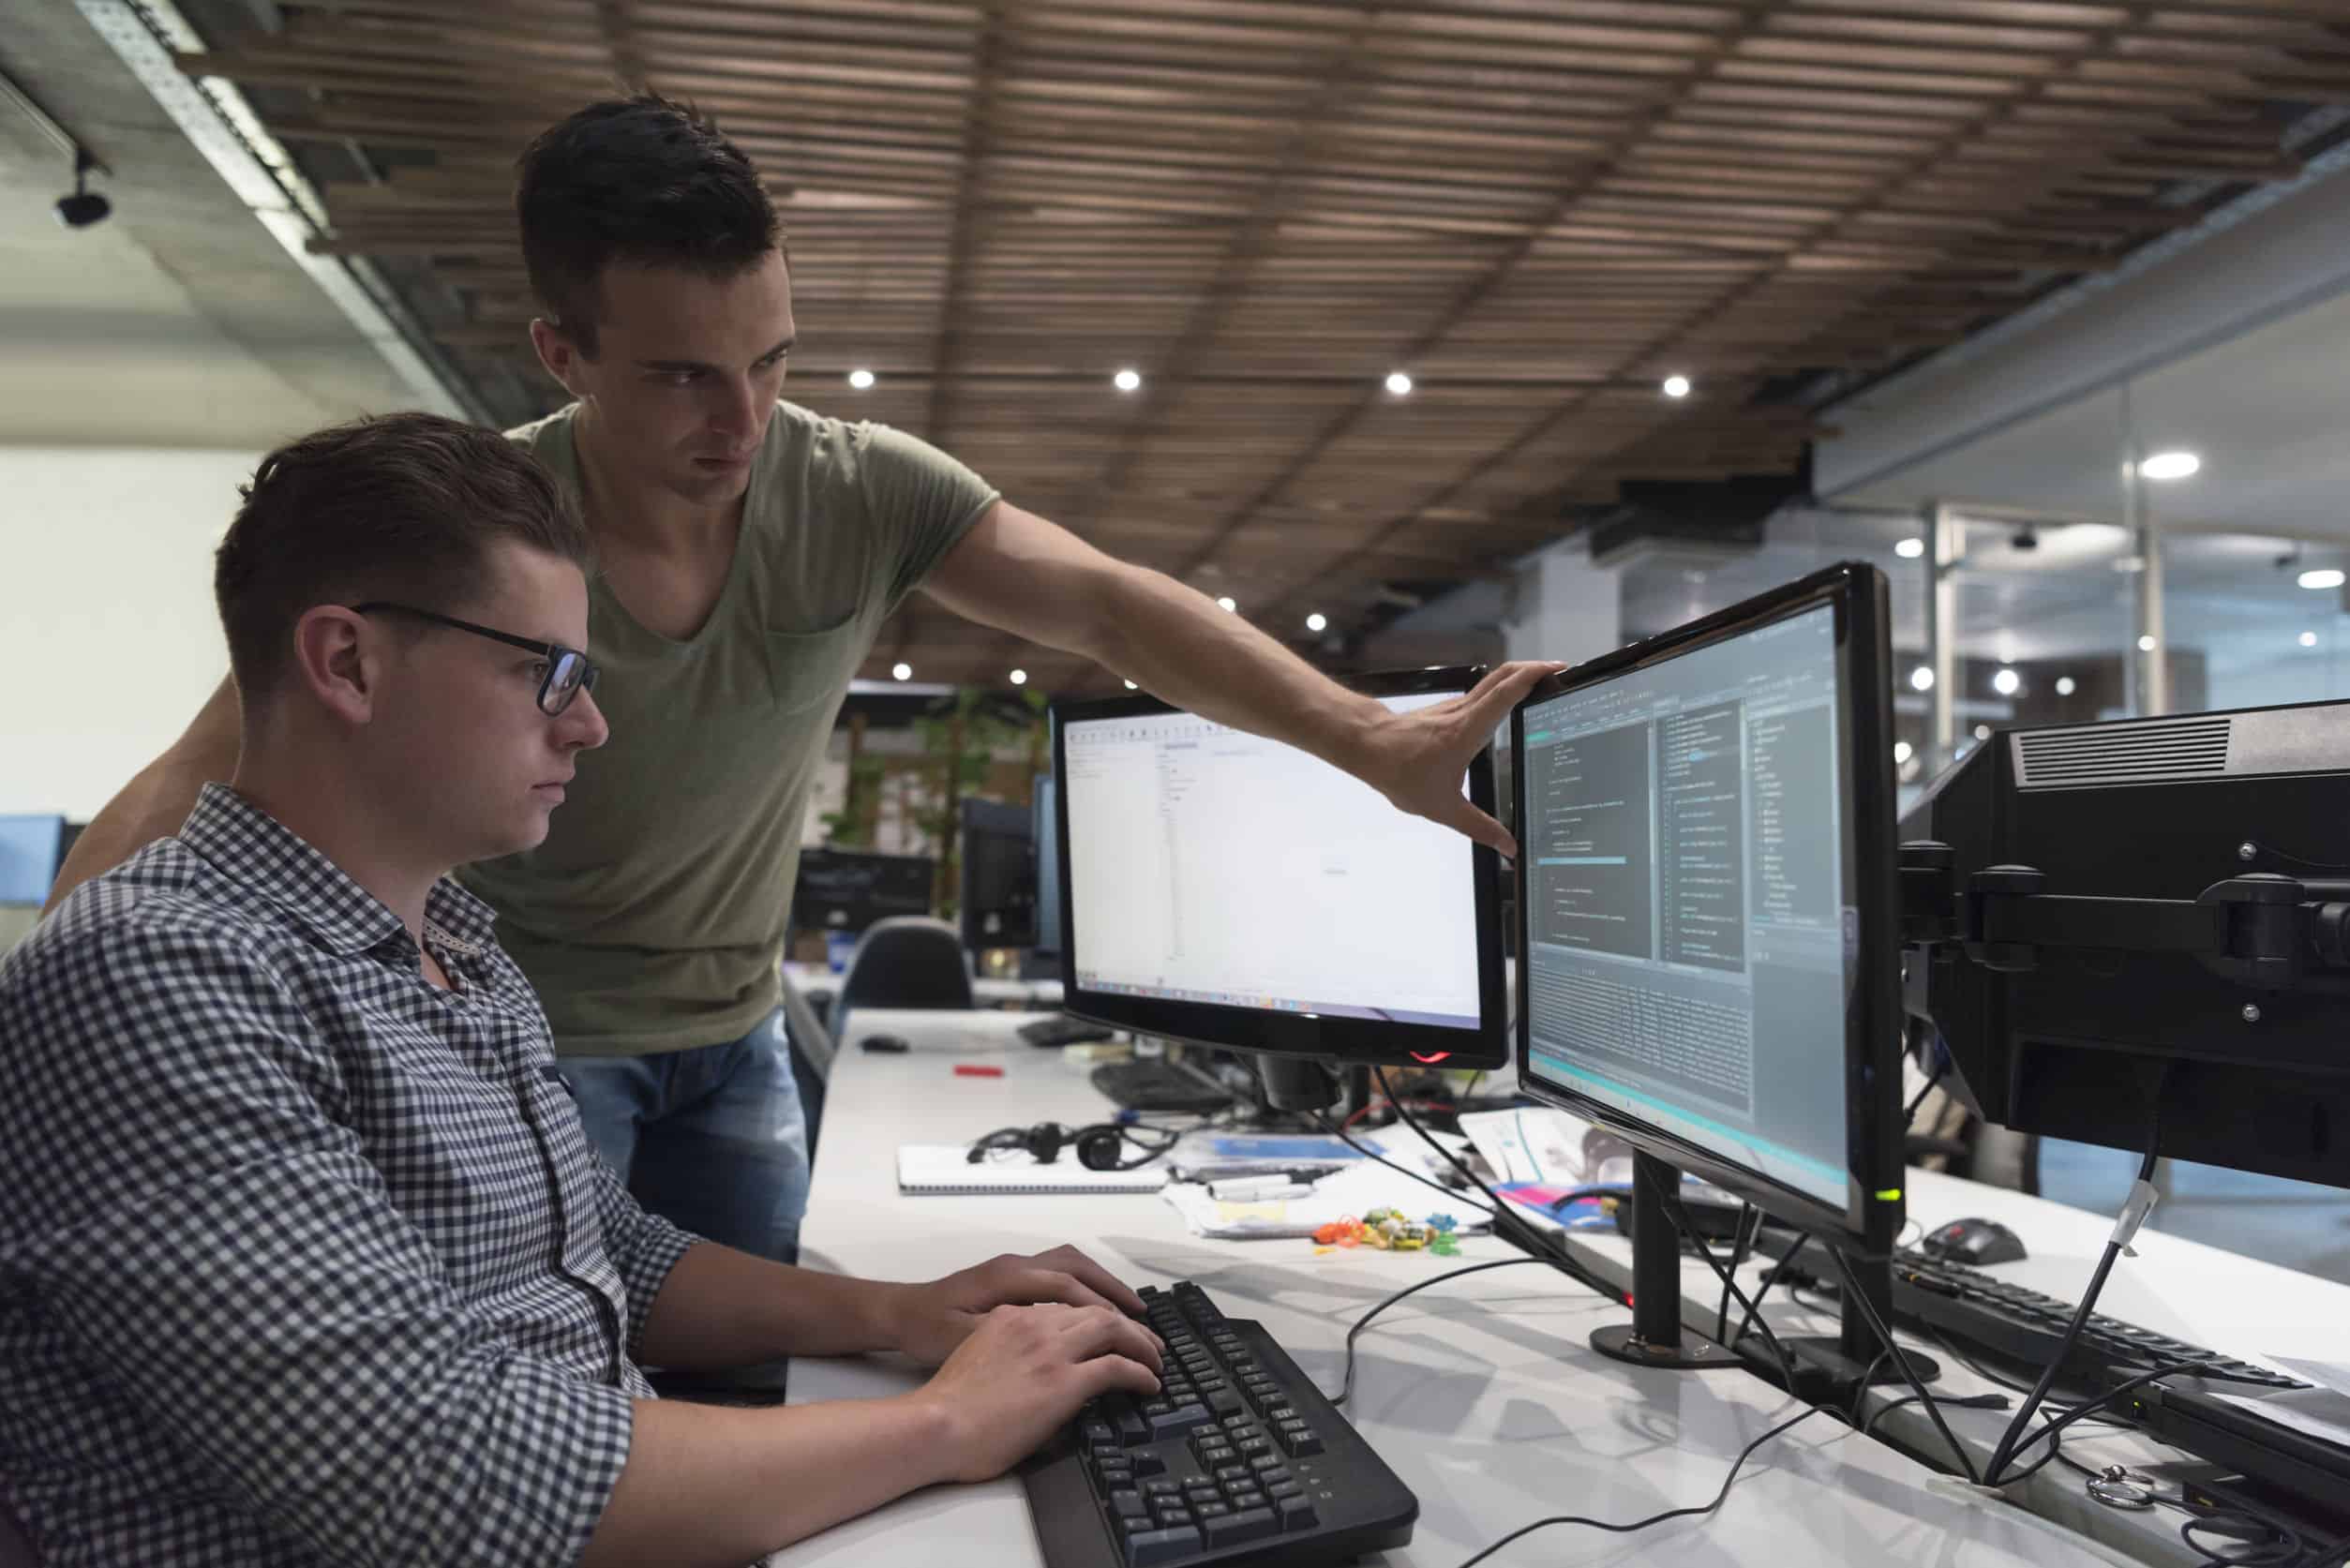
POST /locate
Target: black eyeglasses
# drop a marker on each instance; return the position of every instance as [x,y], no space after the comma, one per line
[568,670]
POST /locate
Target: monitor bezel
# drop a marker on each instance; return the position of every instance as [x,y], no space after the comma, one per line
[793,913]
[1872,1216]
[1349,1041]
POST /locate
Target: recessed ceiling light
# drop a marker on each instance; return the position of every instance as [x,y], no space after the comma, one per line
[1399,383]
[1132,687]
[2146,645]
[1676,386]
[900,672]
[1020,677]
[1129,379]
[1921,678]
[2309,639]
[1901,750]
[2170,465]
[1909,549]
[1226,603]
[860,378]
[2323,576]
[2066,685]
[2007,683]
[1983,732]
[1316,622]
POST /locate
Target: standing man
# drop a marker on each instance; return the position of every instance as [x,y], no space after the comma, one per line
[749,552]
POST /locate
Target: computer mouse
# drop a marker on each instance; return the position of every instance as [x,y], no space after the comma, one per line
[1974,1242]
[894,1043]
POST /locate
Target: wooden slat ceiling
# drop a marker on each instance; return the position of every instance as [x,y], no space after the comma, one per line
[1537,208]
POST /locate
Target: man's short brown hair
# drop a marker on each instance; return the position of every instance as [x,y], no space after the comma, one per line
[404,507]
[643,180]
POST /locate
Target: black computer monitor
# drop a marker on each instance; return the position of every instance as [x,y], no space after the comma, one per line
[1048,943]
[2147,913]
[1709,953]
[848,889]
[1228,891]
[999,875]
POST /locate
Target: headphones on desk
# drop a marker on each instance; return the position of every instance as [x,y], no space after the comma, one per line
[1100,1147]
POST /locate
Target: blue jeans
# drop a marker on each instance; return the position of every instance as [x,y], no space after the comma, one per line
[713,1139]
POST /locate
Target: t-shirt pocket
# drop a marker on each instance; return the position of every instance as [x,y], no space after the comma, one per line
[806,668]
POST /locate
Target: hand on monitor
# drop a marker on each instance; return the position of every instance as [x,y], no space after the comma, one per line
[1023,1372]
[932,1321]
[1416,759]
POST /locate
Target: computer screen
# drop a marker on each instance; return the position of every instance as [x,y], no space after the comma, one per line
[1048,869]
[848,890]
[31,848]
[1692,887]
[999,875]
[1233,890]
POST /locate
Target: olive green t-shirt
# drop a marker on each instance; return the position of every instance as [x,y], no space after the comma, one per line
[653,917]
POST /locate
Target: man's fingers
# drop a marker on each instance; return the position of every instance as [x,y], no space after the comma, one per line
[1502,690]
[1456,812]
[1037,1285]
[1109,1332]
[1070,1260]
[1108,1374]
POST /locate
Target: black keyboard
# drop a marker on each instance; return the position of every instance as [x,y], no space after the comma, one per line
[1239,1460]
[1061,1029]
[1155,1084]
[2026,1326]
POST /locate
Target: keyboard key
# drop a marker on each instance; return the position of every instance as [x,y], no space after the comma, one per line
[1246,1500]
[1222,1401]
[1280,1413]
[1164,1486]
[1259,1448]
[1129,1502]
[1207,1511]
[1234,1473]
[1098,1432]
[1253,1524]
[1301,1443]
[1177,1419]
[1276,1475]
[1161,1545]
[1146,1463]
[1295,1513]
[1265,1464]
[1216,1457]
[1285,1488]
[1203,1492]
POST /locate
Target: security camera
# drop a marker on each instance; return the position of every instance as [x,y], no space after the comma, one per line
[85,206]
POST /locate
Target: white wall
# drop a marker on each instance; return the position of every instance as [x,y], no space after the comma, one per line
[1567,608]
[108,637]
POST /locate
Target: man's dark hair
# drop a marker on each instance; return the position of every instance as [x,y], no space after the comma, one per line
[640,180]
[405,507]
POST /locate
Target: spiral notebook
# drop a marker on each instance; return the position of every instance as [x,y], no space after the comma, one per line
[929,1169]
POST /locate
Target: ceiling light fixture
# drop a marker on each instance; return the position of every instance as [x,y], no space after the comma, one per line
[1020,677]
[2170,465]
[2321,577]
[1316,622]
[2309,639]
[2145,643]
[1909,549]
[1399,383]
[1921,678]
[1227,605]
[1901,750]
[2066,685]
[1132,687]
[860,378]
[1676,386]
[1129,379]
[900,672]
[2007,683]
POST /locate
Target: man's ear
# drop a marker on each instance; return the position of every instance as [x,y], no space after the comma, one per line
[558,353]
[338,661]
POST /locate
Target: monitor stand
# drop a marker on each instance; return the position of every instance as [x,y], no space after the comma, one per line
[1655,1336]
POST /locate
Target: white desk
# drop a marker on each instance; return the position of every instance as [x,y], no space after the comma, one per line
[1481,1393]
[989,991]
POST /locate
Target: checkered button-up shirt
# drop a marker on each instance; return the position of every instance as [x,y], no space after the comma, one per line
[303,1260]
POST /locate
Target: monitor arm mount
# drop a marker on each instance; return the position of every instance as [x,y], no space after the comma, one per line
[2259,929]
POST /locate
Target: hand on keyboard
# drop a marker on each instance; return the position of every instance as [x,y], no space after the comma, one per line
[932,1320]
[1025,1372]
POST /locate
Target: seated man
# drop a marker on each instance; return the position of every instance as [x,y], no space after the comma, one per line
[304,1257]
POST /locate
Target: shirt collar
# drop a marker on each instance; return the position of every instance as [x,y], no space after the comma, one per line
[253,848]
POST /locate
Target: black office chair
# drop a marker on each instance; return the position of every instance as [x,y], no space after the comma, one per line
[906,961]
